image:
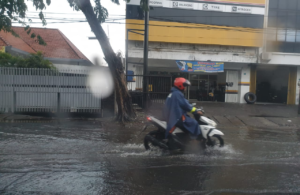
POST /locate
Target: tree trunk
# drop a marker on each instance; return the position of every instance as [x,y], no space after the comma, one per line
[125,109]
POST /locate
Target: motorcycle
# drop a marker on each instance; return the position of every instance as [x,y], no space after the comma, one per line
[179,138]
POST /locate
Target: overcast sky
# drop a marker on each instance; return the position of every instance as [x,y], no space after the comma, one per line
[78,33]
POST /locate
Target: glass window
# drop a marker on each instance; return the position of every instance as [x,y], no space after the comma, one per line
[291,4]
[272,22]
[282,4]
[297,48]
[284,18]
[298,21]
[290,36]
[298,36]
[281,19]
[291,20]
[273,3]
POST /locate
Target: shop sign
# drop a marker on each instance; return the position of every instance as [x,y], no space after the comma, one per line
[184,5]
[212,7]
[241,9]
[156,3]
[196,66]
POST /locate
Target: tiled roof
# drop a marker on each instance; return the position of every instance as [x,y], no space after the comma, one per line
[58,45]
[2,42]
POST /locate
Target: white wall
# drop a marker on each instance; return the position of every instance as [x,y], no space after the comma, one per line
[244,77]
[168,51]
[298,88]
[284,59]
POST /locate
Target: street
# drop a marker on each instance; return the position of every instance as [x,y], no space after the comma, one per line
[85,157]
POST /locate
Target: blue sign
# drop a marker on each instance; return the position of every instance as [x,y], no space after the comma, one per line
[195,66]
[130,76]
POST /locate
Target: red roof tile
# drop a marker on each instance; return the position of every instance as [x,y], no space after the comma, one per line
[58,45]
[2,42]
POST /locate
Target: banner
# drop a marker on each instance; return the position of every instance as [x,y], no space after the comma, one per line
[194,66]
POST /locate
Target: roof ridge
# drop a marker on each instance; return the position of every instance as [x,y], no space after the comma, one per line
[67,41]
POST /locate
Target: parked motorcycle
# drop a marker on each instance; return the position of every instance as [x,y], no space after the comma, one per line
[180,138]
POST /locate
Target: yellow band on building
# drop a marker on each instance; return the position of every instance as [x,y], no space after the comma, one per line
[175,32]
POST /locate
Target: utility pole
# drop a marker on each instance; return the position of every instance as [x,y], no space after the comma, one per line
[145,72]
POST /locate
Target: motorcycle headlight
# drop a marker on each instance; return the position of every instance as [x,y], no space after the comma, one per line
[213,123]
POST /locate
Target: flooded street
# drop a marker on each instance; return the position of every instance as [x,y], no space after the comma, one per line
[83,158]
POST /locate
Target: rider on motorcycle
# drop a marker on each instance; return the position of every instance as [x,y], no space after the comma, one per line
[176,108]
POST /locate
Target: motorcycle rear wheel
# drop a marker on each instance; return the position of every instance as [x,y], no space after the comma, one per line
[154,139]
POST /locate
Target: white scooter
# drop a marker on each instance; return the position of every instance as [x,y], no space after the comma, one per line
[179,138]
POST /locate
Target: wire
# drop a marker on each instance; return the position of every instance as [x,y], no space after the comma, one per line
[196,26]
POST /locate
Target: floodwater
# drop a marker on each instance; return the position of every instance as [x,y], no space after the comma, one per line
[83,158]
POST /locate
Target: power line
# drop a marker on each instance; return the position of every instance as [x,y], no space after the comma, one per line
[196,26]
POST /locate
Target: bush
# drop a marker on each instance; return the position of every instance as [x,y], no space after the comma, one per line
[33,61]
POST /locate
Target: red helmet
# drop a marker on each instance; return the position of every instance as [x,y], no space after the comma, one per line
[181,83]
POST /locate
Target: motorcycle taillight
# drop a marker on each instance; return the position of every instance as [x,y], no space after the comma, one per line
[148,118]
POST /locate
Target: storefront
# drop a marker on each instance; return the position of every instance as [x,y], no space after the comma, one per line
[275,83]
[210,81]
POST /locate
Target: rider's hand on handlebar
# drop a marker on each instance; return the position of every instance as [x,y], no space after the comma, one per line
[199,112]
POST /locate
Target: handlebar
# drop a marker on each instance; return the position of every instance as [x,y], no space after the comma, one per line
[196,115]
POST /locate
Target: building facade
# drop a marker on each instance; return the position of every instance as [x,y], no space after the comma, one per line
[252,38]
[278,72]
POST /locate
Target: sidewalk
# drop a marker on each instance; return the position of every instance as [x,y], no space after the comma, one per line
[243,115]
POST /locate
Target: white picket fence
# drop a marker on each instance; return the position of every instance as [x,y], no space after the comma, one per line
[46,90]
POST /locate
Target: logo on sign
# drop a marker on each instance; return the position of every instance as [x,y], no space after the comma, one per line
[175,4]
[241,9]
[205,6]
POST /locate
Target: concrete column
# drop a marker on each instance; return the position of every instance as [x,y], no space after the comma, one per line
[244,83]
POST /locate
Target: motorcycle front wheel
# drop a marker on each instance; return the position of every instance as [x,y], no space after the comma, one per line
[216,140]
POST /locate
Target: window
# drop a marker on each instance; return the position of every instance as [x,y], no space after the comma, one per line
[284,18]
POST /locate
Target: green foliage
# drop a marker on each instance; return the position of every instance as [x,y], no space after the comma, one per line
[33,61]
[15,10]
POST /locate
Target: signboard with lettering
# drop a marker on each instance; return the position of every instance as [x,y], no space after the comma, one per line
[219,7]
[184,5]
[212,7]
[156,3]
[196,66]
[241,9]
